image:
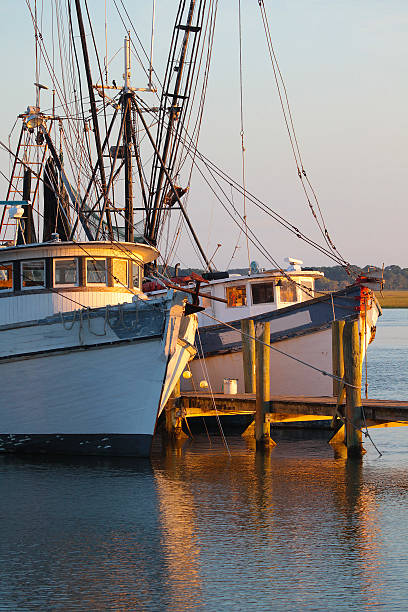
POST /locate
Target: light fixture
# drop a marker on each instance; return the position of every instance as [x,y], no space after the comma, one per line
[34,121]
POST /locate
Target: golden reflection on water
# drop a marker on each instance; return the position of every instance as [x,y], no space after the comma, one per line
[279,505]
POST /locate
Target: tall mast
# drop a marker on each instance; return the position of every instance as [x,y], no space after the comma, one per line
[173,116]
[94,120]
[127,145]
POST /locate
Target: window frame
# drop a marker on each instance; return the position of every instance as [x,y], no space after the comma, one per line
[33,287]
[263,284]
[54,261]
[8,289]
[295,286]
[244,288]
[140,275]
[96,284]
[115,283]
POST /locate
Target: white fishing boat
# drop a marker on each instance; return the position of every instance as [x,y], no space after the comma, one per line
[300,328]
[87,360]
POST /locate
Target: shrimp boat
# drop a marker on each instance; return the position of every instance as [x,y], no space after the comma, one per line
[300,324]
[87,360]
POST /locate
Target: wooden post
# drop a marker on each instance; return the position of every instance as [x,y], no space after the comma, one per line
[248,355]
[262,428]
[352,375]
[174,426]
[337,354]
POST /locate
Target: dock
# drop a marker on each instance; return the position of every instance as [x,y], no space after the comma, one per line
[349,414]
[288,408]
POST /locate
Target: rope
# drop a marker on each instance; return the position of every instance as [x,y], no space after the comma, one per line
[309,365]
[205,371]
[242,133]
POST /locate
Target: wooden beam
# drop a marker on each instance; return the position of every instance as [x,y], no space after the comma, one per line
[337,354]
[352,376]
[248,354]
[262,355]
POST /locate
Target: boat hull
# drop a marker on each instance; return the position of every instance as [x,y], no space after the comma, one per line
[87,386]
[301,336]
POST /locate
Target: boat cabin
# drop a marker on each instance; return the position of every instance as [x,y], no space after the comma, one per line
[38,280]
[251,295]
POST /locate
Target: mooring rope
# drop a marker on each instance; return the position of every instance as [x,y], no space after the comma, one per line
[205,371]
[305,363]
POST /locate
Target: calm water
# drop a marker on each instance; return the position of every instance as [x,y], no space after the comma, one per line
[193,529]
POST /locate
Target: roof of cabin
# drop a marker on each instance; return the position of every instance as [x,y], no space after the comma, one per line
[101,248]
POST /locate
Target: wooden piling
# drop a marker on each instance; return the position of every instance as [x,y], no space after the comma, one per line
[337,354]
[352,376]
[248,355]
[174,424]
[262,353]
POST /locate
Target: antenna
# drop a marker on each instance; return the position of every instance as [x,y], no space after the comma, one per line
[126,74]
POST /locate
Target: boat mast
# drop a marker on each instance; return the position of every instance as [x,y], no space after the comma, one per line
[105,209]
[174,112]
[127,145]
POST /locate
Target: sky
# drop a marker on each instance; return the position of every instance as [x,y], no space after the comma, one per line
[344,65]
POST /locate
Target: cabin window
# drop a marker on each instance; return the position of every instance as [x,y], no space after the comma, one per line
[66,272]
[120,272]
[236,296]
[96,271]
[33,273]
[288,291]
[6,277]
[262,293]
[306,289]
[206,302]
[135,280]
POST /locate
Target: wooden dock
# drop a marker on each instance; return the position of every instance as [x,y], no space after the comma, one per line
[287,408]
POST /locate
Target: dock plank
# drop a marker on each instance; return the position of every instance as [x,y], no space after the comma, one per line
[202,404]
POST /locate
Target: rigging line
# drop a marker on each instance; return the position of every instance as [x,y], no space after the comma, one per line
[305,363]
[288,122]
[303,172]
[103,101]
[133,44]
[210,28]
[205,371]
[238,239]
[268,210]
[255,241]
[242,133]
[277,217]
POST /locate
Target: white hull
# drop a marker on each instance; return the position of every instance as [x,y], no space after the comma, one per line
[303,333]
[86,386]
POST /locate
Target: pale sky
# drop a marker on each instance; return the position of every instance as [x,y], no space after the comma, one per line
[344,64]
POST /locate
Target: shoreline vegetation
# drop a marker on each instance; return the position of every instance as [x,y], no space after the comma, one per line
[393,299]
[395,295]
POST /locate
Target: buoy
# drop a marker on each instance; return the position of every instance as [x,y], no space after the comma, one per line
[203,384]
[187,374]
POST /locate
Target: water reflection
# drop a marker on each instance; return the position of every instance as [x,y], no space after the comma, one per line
[274,521]
[195,529]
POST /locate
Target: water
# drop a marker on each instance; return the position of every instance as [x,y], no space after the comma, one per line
[192,529]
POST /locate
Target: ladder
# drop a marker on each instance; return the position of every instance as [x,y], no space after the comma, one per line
[29,155]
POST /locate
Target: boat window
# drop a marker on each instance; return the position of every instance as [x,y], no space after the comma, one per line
[288,291]
[120,272]
[236,296]
[262,293]
[66,272]
[6,277]
[135,275]
[306,289]
[33,273]
[206,302]
[96,271]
